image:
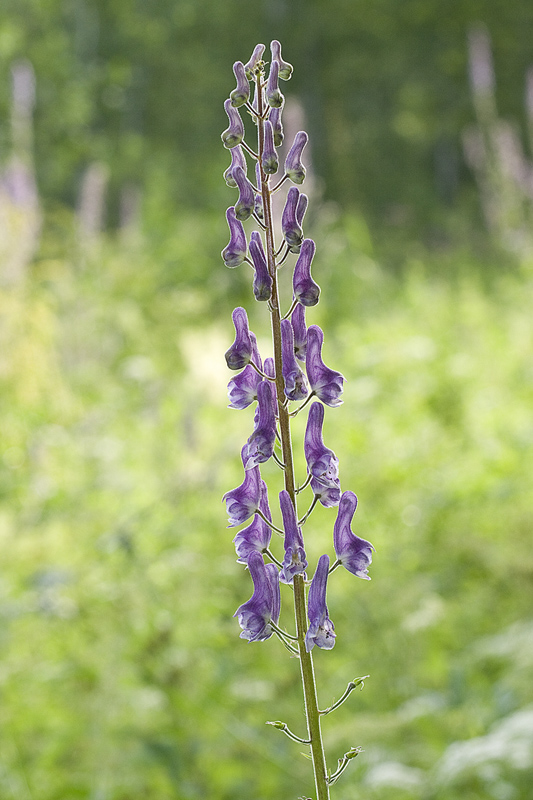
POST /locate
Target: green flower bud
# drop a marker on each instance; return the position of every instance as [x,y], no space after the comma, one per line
[240,95]
[285,69]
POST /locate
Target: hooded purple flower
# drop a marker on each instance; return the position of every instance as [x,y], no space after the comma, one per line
[243,501]
[255,59]
[321,628]
[240,352]
[258,534]
[301,208]
[328,496]
[237,160]
[295,560]
[258,206]
[300,331]
[240,95]
[272,93]
[262,286]
[245,204]
[325,383]
[234,134]
[304,287]
[269,160]
[260,445]
[322,463]
[295,382]
[277,126]
[264,605]
[242,389]
[234,254]
[270,370]
[293,163]
[292,232]
[353,553]
[285,69]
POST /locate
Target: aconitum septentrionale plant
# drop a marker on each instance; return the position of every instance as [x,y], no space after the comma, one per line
[279,388]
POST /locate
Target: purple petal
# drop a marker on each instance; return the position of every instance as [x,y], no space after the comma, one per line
[322,463]
[240,95]
[293,163]
[326,383]
[234,134]
[353,553]
[321,629]
[269,160]
[295,560]
[235,252]
[258,534]
[295,382]
[304,287]
[240,352]
[255,614]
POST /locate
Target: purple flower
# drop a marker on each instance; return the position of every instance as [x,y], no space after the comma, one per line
[295,382]
[263,606]
[277,127]
[233,135]
[273,94]
[300,331]
[242,389]
[245,204]
[285,69]
[260,445]
[240,95]
[321,628]
[269,160]
[270,370]
[237,160]
[352,552]
[295,560]
[325,383]
[328,496]
[262,286]
[293,163]
[292,232]
[255,59]
[235,252]
[240,352]
[322,463]
[301,208]
[258,206]
[304,287]
[243,501]
[258,534]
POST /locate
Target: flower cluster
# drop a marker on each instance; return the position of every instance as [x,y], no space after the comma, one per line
[296,373]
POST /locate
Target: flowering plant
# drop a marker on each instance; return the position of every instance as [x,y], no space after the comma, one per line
[274,384]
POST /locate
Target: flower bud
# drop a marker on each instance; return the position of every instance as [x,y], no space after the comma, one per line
[269,369]
[300,331]
[269,161]
[233,135]
[273,94]
[255,61]
[240,95]
[294,378]
[262,285]
[285,69]
[237,160]
[245,204]
[235,252]
[275,119]
[240,352]
[293,163]
[258,206]
[304,287]
[291,230]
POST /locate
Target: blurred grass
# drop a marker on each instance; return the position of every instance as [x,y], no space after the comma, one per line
[121,670]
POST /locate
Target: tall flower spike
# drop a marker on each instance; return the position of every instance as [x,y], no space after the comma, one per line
[295,560]
[234,134]
[293,163]
[321,628]
[306,291]
[237,160]
[327,496]
[255,615]
[322,463]
[258,534]
[235,252]
[255,61]
[353,553]
[273,94]
[260,445]
[245,204]
[262,286]
[325,383]
[285,69]
[242,389]
[240,95]
[277,127]
[300,331]
[243,501]
[240,352]
[294,378]
[269,160]
[292,232]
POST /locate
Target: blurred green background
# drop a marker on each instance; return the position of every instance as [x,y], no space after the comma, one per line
[121,672]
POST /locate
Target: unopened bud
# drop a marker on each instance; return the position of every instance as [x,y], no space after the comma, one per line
[293,163]
[262,286]
[237,160]
[277,127]
[235,252]
[255,61]
[258,208]
[292,232]
[240,95]
[285,69]
[304,287]
[300,331]
[269,160]
[245,204]
[233,135]
[273,94]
